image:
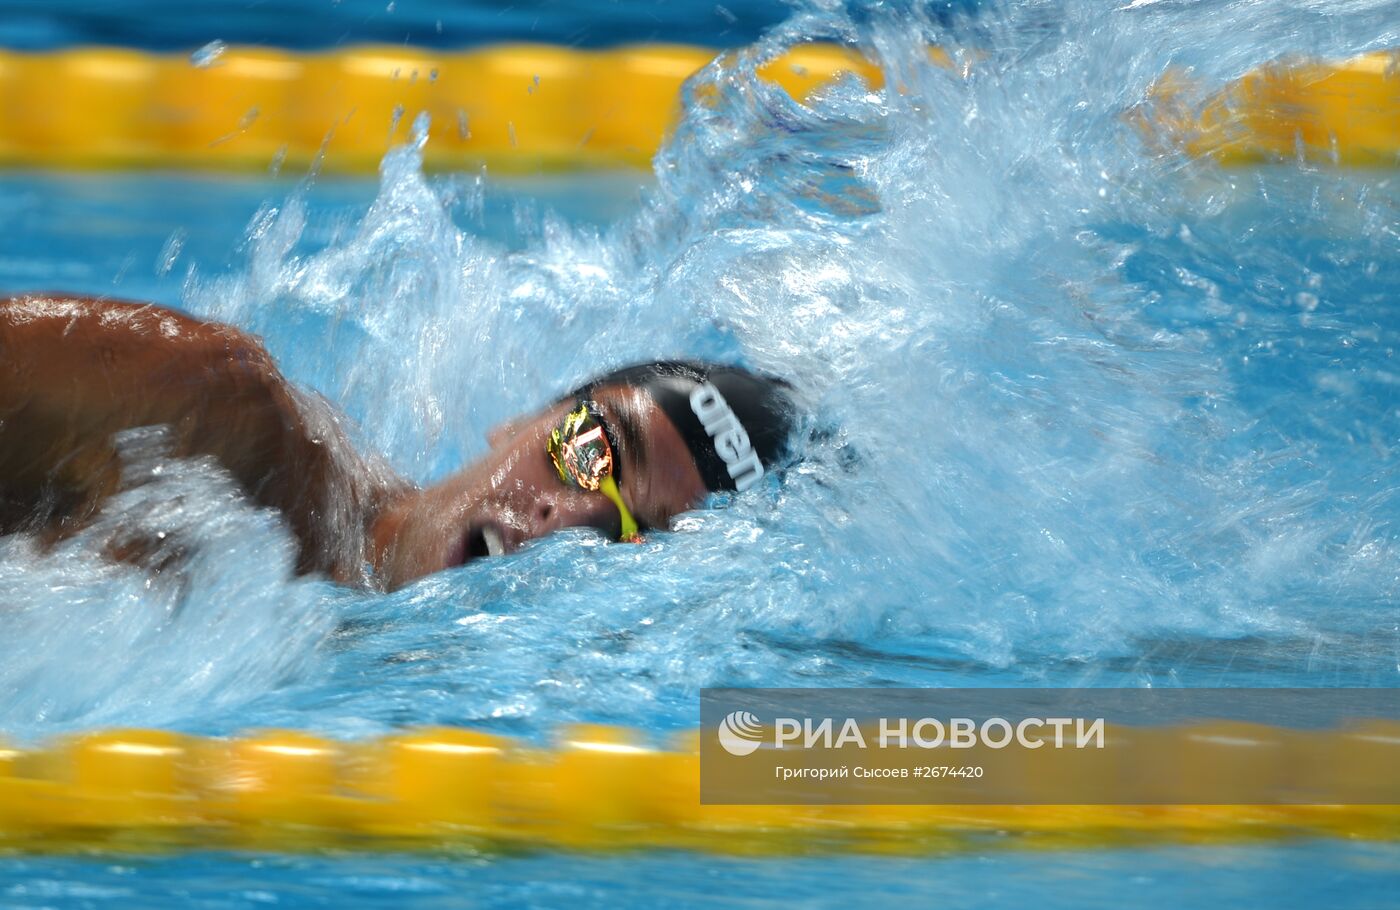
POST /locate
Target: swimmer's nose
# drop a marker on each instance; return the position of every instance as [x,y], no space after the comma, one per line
[576,509]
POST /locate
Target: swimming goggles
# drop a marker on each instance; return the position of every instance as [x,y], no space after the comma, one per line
[582,453]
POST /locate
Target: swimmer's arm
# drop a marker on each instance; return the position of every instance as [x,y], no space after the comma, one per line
[74,371]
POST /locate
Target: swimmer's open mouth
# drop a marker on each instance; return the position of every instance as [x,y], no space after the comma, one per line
[483,540]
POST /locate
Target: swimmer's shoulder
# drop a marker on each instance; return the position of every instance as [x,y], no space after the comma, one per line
[67,312]
[41,333]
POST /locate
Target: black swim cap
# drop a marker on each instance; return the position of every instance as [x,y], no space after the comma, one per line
[736,422]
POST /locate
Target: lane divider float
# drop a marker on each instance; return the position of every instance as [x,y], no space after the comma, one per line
[526,107]
[517,106]
[606,788]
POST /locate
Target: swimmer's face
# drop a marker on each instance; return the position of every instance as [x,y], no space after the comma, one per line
[514,495]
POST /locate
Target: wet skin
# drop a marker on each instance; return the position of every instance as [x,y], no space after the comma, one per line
[76,371]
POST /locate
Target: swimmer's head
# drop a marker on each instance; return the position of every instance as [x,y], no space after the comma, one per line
[623,453]
[735,423]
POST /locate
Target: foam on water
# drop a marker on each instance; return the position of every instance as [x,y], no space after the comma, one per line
[90,640]
[1086,411]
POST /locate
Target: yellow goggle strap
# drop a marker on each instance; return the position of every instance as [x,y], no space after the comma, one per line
[608,487]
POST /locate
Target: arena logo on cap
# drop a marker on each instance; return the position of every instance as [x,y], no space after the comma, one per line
[730,440]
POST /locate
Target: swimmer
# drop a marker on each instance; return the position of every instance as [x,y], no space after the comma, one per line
[622,454]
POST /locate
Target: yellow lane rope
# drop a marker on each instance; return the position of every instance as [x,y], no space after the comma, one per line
[523,107]
[519,106]
[1344,113]
[604,788]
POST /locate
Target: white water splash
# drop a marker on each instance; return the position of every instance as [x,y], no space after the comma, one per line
[208,55]
[1074,423]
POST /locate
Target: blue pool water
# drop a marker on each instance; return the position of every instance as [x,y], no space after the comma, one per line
[172,25]
[1307,874]
[1097,415]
